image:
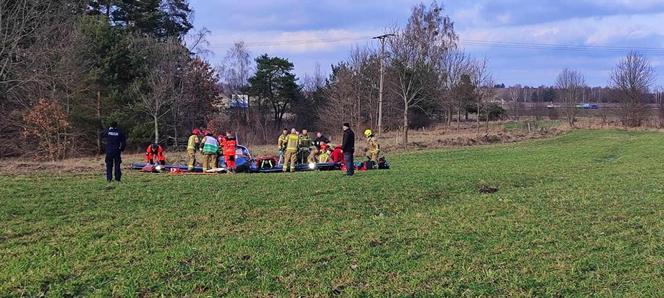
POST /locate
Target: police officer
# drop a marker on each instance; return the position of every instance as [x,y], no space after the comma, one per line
[115,144]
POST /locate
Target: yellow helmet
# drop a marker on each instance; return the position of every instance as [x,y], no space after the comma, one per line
[368,132]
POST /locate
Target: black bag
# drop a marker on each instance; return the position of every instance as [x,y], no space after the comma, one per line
[383,164]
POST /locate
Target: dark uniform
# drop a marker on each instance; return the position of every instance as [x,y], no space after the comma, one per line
[115,144]
[348,146]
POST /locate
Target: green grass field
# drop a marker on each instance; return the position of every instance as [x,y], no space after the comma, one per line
[578,215]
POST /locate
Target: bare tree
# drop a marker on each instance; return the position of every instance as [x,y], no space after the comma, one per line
[632,78]
[570,84]
[454,65]
[237,68]
[341,98]
[483,82]
[515,94]
[416,53]
[160,89]
[659,99]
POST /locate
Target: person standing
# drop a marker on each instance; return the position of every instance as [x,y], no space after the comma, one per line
[281,144]
[192,145]
[210,151]
[373,148]
[229,145]
[304,146]
[115,144]
[348,147]
[291,151]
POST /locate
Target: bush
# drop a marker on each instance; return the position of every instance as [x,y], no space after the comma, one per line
[47,123]
[494,112]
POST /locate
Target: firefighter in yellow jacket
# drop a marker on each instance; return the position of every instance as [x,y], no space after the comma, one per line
[282,142]
[192,145]
[290,155]
[373,148]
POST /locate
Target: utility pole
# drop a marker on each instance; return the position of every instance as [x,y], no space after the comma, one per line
[380,92]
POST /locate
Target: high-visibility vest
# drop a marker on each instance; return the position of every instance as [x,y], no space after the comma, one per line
[210,145]
[293,141]
[324,156]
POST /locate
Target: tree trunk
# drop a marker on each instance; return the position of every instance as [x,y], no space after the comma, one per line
[156,129]
[479,106]
[404,139]
[99,124]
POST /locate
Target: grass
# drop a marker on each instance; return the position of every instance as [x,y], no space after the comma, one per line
[578,215]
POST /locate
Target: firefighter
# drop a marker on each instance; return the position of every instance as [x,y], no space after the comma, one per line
[229,146]
[291,151]
[192,146]
[281,145]
[115,144]
[304,146]
[324,153]
[373,148]
[210,149]
[155,153]
[316,149]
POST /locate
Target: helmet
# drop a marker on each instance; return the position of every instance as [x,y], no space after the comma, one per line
[323,146]
[196,131]
[154,146]
[368,132]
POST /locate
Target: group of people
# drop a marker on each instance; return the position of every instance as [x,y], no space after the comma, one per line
[211,148]
[294,147]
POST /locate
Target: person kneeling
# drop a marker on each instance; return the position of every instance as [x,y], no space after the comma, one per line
[155,153]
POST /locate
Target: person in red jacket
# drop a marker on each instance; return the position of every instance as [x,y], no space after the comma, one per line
[155,153]
[221,139]
[229,146]
[337,155]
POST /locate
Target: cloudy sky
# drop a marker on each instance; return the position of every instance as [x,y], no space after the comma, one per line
[526,42]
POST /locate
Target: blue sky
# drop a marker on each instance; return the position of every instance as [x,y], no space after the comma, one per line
[301,30]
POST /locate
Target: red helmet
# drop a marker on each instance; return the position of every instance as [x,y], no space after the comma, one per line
[196,131]
[323,146]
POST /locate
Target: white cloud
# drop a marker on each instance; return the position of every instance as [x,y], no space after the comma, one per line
[292,42]
[589,31]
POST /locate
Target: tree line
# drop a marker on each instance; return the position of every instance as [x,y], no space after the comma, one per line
[68,68]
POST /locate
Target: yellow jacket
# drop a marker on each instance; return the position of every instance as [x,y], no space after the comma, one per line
[292,143]
[372,145]
[282,142]
[193,142]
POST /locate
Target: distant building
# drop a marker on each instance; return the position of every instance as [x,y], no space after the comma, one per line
[233,101]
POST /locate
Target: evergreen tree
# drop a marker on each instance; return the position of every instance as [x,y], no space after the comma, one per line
[274,85]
